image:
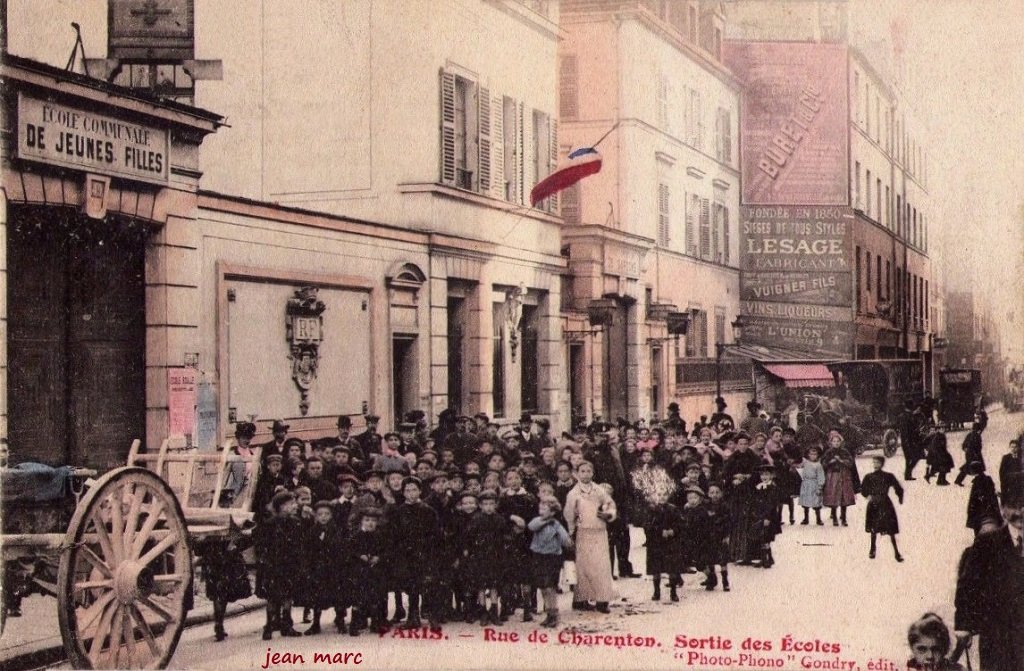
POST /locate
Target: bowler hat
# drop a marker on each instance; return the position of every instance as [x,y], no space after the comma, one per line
[372,419]
[765,468]
[673,406]
[721,402]
[525,417]
[1012,493]
[344,422]
[411,480]
[407,426]
[348,477]
[279,426]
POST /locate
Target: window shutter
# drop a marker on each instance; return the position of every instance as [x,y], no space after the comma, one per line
[498,148]
[447,128]
[485,143]
[691,224]
[520,162]
[568,90]
[725,235]
[705,229]
[663,215]
[715,251]
[552,161]
[727,138]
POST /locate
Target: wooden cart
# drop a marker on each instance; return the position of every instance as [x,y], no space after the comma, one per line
[124,567]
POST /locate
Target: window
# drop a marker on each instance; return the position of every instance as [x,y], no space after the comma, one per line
[697,338]
[856,279]
[512,143]
[856,185]
[856,93]
[888,208]
[718,235]
[878,200]
[545,154]
[723,136]
[695,121]
[705,229]
[867,270]
[692,212]
[725,235]
[568,87]
[663,210]
[867,194]
[661,102]
[878,277]
[458,131]
[888,280]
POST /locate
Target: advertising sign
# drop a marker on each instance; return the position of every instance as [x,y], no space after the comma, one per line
[798,287]
[793,128]
[831,339]
[796,238]
[86,140]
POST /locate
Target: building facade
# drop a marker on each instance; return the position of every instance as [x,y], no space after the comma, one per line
[835,193]
[652,241]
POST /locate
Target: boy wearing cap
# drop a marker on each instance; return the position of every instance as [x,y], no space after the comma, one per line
[271,481]
[486,556]
[415,532]
[518,505]
[720,524]
[696,530]
[765,514]
[367,557]
[276,541]
[323,546]
[456,537]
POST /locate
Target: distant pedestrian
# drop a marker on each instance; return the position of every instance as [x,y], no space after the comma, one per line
[972,451]
[841,481]
[812,484]
[982,504]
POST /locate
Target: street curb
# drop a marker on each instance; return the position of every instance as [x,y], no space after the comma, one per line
[54,654]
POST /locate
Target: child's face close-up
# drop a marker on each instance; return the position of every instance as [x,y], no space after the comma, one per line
[304,499]
[715,494]
[693,499]
[545,510]
[289,508]
[412,492]
[323,516]
[469,505]
[368,524]
[488,506]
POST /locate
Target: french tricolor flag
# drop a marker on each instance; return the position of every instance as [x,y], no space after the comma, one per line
[579,164]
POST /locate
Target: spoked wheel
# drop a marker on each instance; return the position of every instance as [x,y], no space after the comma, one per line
[125,577]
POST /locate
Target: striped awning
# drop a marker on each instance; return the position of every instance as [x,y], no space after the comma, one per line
[801,375]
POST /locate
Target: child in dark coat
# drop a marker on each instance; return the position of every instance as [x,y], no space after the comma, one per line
[225,575]
[271,481]
[367,552]
[518,506]
[276,541]
[696,529]
[415,533]
[765,521]
[880,517]
[457,534]
[982,504]
[663,528]
[720,525]
[323,548]
[486,553]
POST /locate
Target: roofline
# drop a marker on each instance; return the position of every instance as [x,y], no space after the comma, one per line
[34,72]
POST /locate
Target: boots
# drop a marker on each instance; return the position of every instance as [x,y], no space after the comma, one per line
[835,520]
[712,580]
[842,519]
[767,561]
[485,616]
[413,622]
[550,619]
[218,633]
[657,588]
[817,516]
[725,579]
[942,480]
[602,607]
[494,618]
[672,594]
[807,514]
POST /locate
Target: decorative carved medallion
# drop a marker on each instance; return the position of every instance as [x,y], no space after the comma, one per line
[304,325]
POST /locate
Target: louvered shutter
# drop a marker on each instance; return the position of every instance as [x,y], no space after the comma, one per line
[690,224]
[568,89]
[725,235]
[447,128]
[715,251]
[727,139]
[485,142]
[552,161]
[705,229]
[663,219]
[520,160]
[498,147]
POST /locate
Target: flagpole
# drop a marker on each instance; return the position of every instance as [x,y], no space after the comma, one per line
[605,135]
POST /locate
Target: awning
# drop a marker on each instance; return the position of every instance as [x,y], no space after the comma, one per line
[763,354]
[800,375]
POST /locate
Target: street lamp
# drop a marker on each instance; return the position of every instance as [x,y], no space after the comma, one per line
[720,347]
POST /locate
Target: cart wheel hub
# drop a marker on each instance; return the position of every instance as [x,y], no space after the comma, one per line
[127,587]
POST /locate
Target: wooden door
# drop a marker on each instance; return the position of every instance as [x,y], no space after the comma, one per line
[36,328]
[106,345]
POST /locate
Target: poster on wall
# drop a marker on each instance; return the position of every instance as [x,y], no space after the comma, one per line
[181,401]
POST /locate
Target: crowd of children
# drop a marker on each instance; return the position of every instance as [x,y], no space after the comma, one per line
[469,523]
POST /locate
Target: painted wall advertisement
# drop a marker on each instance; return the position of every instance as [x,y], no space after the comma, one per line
[181,400]
[793,132]
[796,284]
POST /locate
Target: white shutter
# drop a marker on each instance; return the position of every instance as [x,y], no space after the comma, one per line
[663,215]
[447,128]
[485,142]
[688,224]
[568,89]
[714,233]
[520,160]
[705,229]
[552,161]
[725,235]
[498,147]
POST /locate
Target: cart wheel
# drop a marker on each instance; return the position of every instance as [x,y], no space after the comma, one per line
[125,574]
[890,442]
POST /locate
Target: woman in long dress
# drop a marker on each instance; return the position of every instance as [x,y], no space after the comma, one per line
[588,509]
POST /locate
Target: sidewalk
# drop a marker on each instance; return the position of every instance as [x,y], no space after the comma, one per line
[33,640]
